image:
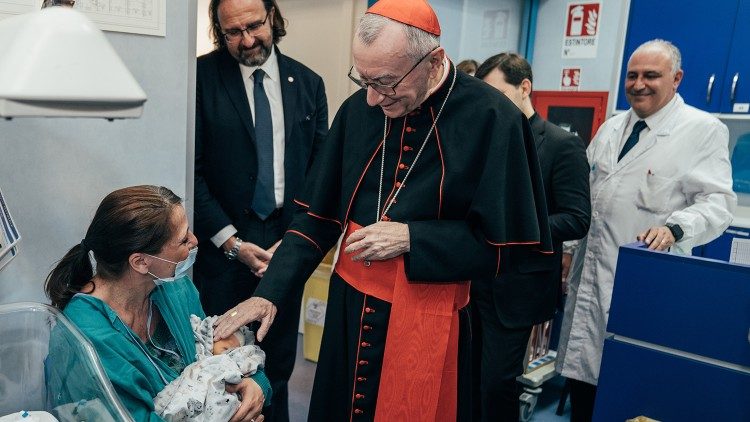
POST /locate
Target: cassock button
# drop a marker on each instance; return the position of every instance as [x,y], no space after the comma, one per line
[410,129]
[386,218]
[358,411]
[359,396]
[398,184]
[361,379]
[363,362]
[369,310]
[366,327]
[402,166]
[365,344]
[407,148]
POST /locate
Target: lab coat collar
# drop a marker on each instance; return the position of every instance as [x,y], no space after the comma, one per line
[660,125]
[658,122]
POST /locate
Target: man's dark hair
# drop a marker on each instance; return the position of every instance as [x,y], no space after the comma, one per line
[514,67]
[278,26]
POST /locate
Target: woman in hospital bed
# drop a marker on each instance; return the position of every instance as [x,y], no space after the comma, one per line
[134,304]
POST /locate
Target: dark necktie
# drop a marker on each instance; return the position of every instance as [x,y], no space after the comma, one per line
[264,201]
[633,138]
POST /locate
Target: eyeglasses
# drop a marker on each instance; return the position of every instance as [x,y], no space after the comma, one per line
[253,29]
[387,90]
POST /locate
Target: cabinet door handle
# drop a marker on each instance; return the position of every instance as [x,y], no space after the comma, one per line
[735,79]
[710,88]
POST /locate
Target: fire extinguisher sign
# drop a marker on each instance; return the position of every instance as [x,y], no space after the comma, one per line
[581,30]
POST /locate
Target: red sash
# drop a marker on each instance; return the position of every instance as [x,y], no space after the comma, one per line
[419,379]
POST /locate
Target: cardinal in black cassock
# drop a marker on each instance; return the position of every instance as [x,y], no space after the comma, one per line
[450,185]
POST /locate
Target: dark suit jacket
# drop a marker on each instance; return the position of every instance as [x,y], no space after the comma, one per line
[527,291]
[225,157]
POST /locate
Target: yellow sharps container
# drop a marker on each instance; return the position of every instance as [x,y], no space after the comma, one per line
[314,301]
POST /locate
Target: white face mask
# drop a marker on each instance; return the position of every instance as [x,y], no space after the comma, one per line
[181,267]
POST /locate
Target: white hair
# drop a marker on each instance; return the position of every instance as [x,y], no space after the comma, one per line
[419,42]
[667,48]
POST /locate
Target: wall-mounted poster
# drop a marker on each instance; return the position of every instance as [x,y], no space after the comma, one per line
[146,17]
[494,28]
[135,16]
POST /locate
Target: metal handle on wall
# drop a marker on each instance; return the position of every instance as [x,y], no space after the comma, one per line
[710,88]
[735,79]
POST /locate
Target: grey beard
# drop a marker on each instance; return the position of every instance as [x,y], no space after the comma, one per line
[258,59]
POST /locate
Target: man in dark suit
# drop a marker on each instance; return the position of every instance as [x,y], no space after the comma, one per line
[505,309]
[260,118]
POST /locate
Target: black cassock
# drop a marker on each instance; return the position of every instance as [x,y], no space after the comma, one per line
[474,193]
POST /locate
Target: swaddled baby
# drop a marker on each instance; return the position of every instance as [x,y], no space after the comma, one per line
[199,393]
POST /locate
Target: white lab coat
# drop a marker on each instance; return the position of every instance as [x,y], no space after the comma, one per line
[679,172]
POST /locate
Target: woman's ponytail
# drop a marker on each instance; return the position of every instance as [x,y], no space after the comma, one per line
[69,276]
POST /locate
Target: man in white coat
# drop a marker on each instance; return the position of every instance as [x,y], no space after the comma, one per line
[660,173]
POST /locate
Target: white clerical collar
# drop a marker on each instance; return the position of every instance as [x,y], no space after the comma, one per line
[270,67]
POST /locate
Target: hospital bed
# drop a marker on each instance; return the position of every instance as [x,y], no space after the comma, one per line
[41,351]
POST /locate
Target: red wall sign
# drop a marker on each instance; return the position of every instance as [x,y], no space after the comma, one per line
[571,79]
[583,20]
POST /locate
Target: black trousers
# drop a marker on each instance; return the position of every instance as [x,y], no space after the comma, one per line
[223,288]
[582,395]
[498,355]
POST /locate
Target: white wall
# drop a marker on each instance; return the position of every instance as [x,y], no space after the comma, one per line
[54,172]
[204,44]
[451,23]
[598,74]
[319,34]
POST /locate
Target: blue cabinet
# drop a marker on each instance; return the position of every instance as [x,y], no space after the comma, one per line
[680,349]
[721,247]
[714,40]
[697,305]
[736,91]
[638,380]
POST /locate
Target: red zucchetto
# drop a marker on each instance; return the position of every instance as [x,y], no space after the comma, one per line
[416,13]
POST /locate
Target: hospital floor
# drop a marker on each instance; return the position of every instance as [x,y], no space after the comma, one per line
[301,383]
